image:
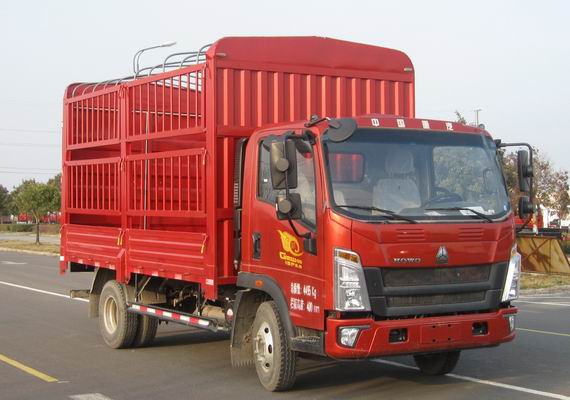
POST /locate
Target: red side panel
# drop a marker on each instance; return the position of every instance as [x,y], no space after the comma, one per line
[93,245]
[176,255]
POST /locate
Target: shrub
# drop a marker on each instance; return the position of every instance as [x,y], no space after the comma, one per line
[21,227]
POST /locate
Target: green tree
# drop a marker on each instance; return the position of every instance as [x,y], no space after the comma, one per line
[550,185]
[4,202]
[36,199]
[55,184]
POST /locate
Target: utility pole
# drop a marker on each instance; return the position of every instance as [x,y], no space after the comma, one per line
[477,111]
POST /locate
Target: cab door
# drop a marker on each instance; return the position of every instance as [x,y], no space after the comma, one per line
[274,249]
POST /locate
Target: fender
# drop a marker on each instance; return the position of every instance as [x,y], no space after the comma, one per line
[258,289]
[268,285]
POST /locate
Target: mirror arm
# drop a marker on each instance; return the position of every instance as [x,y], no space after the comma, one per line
[501,145]
[296,232]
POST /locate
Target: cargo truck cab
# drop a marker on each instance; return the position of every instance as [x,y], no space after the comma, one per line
[386,236]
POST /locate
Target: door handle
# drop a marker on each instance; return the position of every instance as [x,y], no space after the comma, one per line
[256,245]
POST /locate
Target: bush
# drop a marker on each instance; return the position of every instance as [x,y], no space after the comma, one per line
[21,227]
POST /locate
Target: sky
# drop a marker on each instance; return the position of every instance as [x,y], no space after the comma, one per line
[511,59]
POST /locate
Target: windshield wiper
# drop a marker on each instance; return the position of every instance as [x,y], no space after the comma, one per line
[475,213]
[388,213]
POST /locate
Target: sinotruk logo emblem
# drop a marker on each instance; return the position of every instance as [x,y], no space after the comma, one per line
[291,250]
[442,257]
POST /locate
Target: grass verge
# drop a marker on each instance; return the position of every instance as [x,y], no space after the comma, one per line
[543,281]
[27,246]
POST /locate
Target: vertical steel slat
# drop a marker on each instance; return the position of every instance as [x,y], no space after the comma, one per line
[261,100]
[80,131]
[179,94]
[162,108]
[106,166]
[278,97]
[188,100]
[164,184]
[202,185]
[156,184]
[397,98]
[77,196]
[340,96]
[196,183]
[98,187]
[116,183]
[72,135]
[171,103]
[109,117]
[97,113]
[133,186]
[140,130]
[142,185]
[133,92]
[380,94]
[188,184]
[198,97]
[155,119]
[92,176]
[171,183]
[179,183]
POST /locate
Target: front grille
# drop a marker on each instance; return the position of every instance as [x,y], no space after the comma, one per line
[434,290]
[434,299]
[435,276]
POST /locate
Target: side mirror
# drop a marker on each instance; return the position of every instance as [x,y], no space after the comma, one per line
[289,207]
[283,165]
[524,170]
[525,207]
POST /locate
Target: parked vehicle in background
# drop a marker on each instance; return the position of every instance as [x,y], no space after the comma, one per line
[207,191]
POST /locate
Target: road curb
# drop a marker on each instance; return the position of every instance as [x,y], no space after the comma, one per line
[550,290]
[39,253]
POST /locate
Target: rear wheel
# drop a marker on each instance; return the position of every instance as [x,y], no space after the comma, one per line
[437,364]
[146,331]
[117,326]
[275,362]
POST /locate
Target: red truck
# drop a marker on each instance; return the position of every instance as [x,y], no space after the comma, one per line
[282,190]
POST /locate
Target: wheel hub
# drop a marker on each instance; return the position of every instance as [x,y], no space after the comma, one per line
[263,347]
[110,311]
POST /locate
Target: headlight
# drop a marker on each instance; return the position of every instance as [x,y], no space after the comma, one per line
[512,283]
[350,287]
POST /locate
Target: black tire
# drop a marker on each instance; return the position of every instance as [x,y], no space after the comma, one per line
[146,331]
[275,362]
[437,364]
[117,326]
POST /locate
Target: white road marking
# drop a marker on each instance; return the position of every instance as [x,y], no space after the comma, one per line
[89,396]
[41,291]
[486,382]
[545,303]
[545,332]
[12,263]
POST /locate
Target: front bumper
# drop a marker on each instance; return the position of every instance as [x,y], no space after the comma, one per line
[424,335]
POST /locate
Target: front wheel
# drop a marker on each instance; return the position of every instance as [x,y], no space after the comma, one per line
[275,362]
[437,364]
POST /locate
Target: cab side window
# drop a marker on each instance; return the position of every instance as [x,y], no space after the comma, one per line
[305,182]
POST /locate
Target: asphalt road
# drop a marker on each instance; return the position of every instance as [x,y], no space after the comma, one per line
[52,335]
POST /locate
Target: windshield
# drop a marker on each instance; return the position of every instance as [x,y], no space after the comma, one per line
[421,174]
